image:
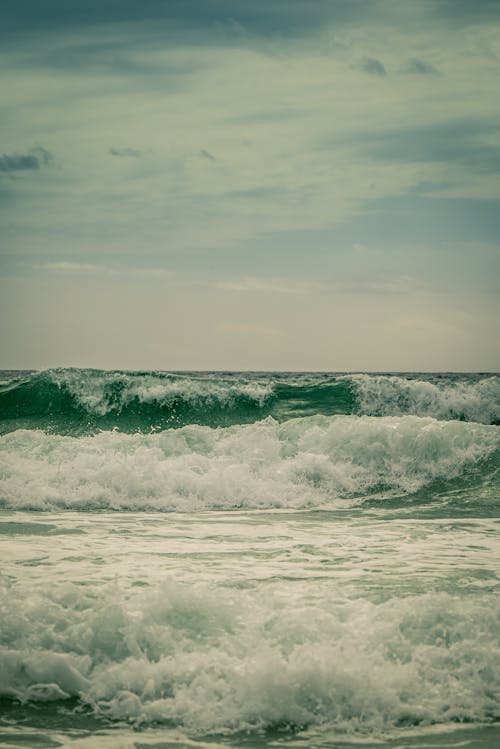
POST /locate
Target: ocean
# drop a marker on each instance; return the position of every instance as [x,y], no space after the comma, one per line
[249,560]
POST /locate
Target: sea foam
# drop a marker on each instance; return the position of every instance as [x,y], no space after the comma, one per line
[210,659]
[303,462]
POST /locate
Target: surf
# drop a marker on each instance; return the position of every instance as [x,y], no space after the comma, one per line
[208,659]
[304,462]
[85,401]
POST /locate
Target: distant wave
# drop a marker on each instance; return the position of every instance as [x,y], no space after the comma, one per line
[305,462]
[463,398]
[84,401]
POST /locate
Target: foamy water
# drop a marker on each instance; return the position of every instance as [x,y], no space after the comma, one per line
[321,580]
[313,461]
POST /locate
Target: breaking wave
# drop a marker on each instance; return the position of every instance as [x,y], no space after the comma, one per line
[465,399]
[209,659]
[305,462]
[83,401]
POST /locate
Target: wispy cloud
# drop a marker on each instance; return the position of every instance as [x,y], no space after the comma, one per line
[340,283]
[268,285]
[75,267]
[405,285]
[473,143]
[131,152]
[70,267]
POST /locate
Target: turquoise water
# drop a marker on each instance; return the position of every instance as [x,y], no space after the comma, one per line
[249,560]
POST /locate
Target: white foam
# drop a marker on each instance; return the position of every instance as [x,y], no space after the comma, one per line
[42,676]
[380,395]
[209,659]
[303,462]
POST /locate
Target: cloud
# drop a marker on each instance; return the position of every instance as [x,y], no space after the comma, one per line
[259,16]
[18,163]
[132,152]
[207,155]
[216,18]
[269,285]
[70,267]
[124,50]
[427,220]
[470,143]
[404,285]
[373,67]
[43,155]
[420,67]
[340,283]
[75,267]
[463,12]
[23,162]
[427,187]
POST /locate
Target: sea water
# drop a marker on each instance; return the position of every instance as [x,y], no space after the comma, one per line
[249,560]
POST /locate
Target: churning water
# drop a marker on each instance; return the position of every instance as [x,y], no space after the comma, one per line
[250,560]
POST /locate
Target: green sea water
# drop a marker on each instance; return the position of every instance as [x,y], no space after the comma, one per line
[252,560]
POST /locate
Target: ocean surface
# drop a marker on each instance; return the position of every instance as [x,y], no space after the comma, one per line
[249,560]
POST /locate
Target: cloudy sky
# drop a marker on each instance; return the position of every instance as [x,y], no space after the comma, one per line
[250,184]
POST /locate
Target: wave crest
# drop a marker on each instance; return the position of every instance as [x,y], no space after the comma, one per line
[83,401]
[442,398]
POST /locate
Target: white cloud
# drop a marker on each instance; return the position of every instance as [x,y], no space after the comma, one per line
[69,267]
[269,285]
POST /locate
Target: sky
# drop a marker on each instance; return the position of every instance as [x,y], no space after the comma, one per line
[250,185]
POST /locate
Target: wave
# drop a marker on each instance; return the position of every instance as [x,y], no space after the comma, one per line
[305,462]
[215,660]
[465,399]
[83,401]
